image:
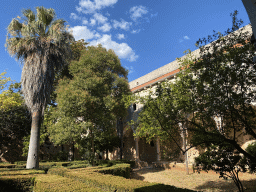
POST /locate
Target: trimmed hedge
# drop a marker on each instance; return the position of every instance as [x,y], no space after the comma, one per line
[122,170]
[92,177]
[54,183]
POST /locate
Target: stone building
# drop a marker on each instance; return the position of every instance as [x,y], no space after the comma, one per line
[137,148]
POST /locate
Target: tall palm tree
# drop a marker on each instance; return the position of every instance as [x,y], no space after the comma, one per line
[42,44]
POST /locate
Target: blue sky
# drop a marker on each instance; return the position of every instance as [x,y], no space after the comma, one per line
[145,34]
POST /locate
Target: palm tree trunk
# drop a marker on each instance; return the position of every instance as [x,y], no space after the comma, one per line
[34,144]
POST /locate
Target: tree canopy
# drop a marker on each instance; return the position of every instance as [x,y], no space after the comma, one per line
[91,98]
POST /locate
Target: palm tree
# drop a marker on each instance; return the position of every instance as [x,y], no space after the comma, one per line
[42,44]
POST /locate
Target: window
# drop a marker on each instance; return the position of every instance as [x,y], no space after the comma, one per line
[152,143]
[134,106]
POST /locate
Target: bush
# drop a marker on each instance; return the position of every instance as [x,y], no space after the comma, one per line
[251,149]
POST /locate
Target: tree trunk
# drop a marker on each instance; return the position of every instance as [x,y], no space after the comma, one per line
[93,153]
[185,147]
[121,138]
[71,153]
[107,155]
[250,7]
[34,143]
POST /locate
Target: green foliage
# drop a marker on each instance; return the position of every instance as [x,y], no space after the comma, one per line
[89,100]
[251,149]
[248,163]
[15,120]
[3,80]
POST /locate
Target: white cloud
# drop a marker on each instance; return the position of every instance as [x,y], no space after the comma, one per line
[122,24]
[85,21]
[137,12]
[154,15]
[82,32]
[123,50]
[184,37]
[135,31]
[92,22]
[100,18]
[131,70]
[120,36]
[105,28]
[87,6]
[74,16]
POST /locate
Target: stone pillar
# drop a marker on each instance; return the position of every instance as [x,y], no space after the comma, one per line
[158,149]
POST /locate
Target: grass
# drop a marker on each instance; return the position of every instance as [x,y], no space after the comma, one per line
[204,181]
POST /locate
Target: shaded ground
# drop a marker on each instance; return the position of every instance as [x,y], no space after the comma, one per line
[201,182]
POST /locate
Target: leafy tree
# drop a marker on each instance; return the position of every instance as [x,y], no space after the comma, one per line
[224,160]
[43,45]
[92,99]
[15,119]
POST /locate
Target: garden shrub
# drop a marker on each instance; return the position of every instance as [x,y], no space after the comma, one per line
[122,170]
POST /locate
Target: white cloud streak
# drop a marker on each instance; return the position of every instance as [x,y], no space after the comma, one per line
[135,31]
[120,36]
[122,24]
[131,70]
[137,12]
[82,32]
[87,6]
[123,50]
[105,28]
[74,16]
[184,38]
[100,18]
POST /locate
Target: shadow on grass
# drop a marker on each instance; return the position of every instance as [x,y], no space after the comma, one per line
[16,185]
[228,185]
[162,188]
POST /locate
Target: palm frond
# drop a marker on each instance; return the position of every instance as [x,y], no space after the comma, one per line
[43,45]
[45,16]
[29,14]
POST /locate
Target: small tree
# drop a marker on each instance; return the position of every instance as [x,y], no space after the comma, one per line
[15,120]
[222,159]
